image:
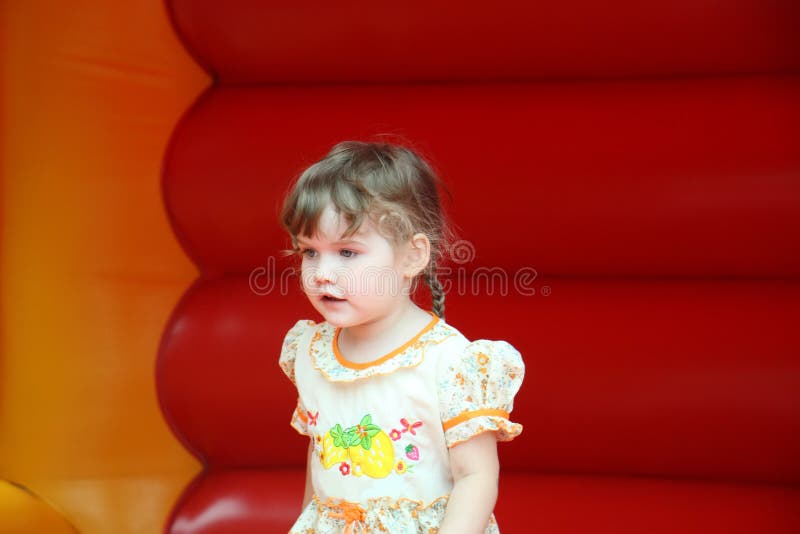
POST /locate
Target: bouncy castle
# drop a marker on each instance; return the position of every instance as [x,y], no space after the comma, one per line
[625,176]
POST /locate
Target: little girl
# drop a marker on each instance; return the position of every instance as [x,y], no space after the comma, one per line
[402,411]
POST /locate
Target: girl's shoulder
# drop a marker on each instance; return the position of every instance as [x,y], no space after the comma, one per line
[302,330]
[479,366]
[462,349]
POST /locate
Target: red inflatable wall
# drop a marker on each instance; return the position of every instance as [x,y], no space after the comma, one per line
[633,169]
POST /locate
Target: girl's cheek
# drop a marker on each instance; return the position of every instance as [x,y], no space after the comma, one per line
[306,278]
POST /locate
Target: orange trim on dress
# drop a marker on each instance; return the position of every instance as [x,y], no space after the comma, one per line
[465,416]
[353,514]
[384,358]
[378,502]
[303,417]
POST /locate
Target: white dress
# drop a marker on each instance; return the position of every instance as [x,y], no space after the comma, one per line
[381,430]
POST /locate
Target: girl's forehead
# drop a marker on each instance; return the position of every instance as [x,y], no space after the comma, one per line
[331,219]
[332,225]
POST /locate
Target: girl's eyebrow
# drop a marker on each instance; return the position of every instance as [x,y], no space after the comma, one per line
[349,241]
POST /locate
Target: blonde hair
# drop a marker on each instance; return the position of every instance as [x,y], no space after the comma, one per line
[389,183]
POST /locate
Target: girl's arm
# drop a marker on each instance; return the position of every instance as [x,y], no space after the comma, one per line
[475,469]
[308,493]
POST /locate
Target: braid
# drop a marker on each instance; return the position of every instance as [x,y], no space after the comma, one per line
[437,292]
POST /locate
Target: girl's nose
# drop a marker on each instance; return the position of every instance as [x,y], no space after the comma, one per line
[324,272]
[324,276]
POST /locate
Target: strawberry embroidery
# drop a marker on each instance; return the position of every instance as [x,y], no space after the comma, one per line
[412,452]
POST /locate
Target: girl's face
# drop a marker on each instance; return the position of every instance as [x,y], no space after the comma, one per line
[355,280]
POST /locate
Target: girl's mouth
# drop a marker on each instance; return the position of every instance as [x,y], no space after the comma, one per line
[328,298]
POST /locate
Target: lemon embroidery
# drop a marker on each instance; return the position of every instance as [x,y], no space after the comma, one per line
[368,448]
[331,454]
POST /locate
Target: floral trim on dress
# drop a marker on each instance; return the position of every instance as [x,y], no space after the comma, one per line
[505,429]
[476,391]
[384,514]
[322,352]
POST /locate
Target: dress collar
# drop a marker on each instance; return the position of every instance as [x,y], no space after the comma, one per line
[360,366]
[326,358]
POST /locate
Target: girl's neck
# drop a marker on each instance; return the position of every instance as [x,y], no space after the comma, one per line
[369,341]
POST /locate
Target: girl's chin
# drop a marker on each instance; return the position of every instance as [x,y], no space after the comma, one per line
[338,318]
[339,322]
[343,319]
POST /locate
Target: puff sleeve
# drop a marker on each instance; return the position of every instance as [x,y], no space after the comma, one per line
[476,391]
[287,359]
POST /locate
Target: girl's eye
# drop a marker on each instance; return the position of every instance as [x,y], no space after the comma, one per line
[347,253]
[308,252]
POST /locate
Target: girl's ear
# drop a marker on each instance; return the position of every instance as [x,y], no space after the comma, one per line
[418,254]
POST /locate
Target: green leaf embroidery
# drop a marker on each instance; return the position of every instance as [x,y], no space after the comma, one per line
[360,434]
[336,434]
[350,437]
